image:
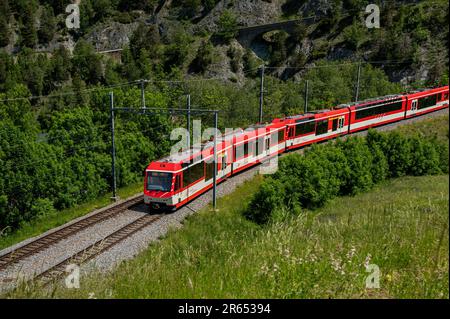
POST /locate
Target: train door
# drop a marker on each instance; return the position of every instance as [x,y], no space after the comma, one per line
[176,188]
[291,131]
[224,164]
[335,124]
[414,105]
[291,135]
[338,123]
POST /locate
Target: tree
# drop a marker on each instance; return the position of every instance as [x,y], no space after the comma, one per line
[4,26]
[278,48]
[355,35]
[48,25]
[60,65]
[144,37]
[228,28]
[299,32]
[28,27]
[204,57]
[102,9]
[87,15]
[86,63]
[175,53]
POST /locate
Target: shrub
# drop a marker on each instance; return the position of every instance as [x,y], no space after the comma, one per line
[268,198]
[228,27]
[380,165]
[442,149]
[424,157]
[343,168]
[42,207]
[359,159]
[397,149]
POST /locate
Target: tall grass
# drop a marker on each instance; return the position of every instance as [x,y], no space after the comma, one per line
[401,226]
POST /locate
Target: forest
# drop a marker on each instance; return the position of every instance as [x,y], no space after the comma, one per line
[54,107]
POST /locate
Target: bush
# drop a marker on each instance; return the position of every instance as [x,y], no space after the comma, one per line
[397,149]
[380,165]
[268,198]
[42,207]
[228,28]
[424,157]
[359,159]
[344,168]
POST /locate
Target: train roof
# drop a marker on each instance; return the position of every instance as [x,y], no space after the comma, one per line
[370,101]
[419,92]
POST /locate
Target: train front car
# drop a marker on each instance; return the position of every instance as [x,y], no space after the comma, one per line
[160,184]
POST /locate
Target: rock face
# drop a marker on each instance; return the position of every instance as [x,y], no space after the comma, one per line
[111,36]
[248,13]
[316,7]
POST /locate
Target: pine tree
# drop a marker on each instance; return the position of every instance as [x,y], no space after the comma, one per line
[28,27]
[4,23]
[4,31]
[48,25]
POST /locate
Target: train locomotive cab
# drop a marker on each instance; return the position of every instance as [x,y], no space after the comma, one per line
[160,184]
[177,179]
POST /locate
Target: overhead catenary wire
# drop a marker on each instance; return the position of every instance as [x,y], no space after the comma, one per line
[132,83]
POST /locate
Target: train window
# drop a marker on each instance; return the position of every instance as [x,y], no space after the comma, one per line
[239,151]
[274,139]
[391,107]
[378,109]
[335,124]
[445,96]
[280,136]
[341,122]
[322,127]
[193,173]
[246,148]
[259,146]
[159,181]
[177,183]
[291,131]
[427,101]
[305,127]
[362,113]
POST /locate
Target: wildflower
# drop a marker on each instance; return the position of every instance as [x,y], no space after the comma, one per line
[367,261]
[351,253]
[264,269]
[276,268]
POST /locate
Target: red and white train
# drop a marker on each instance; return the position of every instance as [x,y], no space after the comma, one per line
[175,180]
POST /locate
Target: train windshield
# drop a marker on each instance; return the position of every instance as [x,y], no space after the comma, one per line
[158,181]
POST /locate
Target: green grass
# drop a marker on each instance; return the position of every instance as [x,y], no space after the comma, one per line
[436,126]
[39,226]
[401,226]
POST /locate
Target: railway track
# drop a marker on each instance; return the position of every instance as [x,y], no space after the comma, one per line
[98,247]
[46,241]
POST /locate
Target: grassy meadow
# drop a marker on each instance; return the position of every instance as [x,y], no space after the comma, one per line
[400,226]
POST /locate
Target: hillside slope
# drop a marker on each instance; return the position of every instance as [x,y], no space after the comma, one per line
[412,32]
